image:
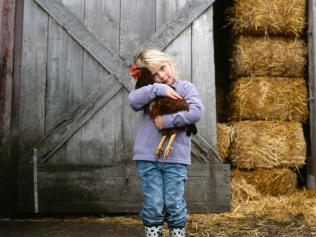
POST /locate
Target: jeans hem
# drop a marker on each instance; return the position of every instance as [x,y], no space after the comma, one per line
[151,225]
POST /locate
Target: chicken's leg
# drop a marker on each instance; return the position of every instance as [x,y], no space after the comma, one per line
[168,147]
[159,147]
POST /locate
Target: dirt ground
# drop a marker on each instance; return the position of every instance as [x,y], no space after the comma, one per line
[130,226]
[60,227]
[260,226]
[288,215]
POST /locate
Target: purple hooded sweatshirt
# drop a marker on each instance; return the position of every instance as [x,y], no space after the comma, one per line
[148,136]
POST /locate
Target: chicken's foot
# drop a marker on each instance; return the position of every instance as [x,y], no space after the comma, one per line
[159,147]
[168,147]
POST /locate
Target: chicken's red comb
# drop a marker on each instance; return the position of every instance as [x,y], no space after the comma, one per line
[134,71]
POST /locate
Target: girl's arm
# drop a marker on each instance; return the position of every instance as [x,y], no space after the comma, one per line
[183,118]
[137,99]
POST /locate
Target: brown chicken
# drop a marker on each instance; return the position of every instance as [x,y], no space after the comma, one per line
[164,105]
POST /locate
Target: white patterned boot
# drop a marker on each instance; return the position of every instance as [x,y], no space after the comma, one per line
[153,231]
[177,232]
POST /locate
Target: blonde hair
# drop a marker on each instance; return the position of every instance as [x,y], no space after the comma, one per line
[154,57]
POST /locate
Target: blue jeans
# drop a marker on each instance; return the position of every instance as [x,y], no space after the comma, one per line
[162,185]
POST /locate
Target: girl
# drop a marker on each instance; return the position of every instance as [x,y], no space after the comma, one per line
[162,181]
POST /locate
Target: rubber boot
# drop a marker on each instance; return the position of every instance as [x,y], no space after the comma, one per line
[177,232]
[153,231]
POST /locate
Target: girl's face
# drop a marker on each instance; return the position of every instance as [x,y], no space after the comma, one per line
[162,73]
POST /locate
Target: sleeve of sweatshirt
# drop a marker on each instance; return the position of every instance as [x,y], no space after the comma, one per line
[138,98]
[183,118]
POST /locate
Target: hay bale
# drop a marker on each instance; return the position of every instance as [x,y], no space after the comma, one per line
[223,139]
[263,98]
[242,191]
[275,57]
[267,144]
[267,182]
[273,17]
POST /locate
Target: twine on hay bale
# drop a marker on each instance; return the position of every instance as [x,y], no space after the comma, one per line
[273,17]
[267,144]
[263,98]
[268,182]
[274,56]
[223,139]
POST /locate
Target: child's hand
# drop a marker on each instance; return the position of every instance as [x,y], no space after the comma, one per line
[158,122]
[171,93]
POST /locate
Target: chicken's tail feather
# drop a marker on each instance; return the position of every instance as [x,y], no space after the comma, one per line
[191,129]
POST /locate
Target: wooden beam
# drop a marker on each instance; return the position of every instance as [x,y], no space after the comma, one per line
[72,122]
[98,50]
[311,176]
[202,150]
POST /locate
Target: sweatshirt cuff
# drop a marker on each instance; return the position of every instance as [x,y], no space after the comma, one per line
[161,89]
[167,120]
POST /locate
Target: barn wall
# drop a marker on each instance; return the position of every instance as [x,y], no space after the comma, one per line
[53,73]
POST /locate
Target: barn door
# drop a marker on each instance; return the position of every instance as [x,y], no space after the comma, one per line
[73,102]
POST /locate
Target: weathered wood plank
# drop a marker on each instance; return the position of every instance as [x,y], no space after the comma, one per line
[14,133]
[219,191]
[108,207]
[86,187]
[101,135]
[90,187]
[33,82]
[64,70]
[96,189]
[202,150]
[180,47]
[168,32]
[64,65]
[72,122]
[88,41]
[91,207]
[203,73]
[109,169]
[311,176]
[7,162]
[137,25]
[132,24]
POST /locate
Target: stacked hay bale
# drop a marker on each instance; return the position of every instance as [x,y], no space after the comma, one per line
[268,93]
[224,132]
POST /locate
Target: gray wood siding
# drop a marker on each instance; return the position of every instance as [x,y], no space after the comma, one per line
[74,106]
[7,106]
[101,134]
[180,48]
[203,73]
[133,33]
[64,74]
[311,179]
[33,79]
